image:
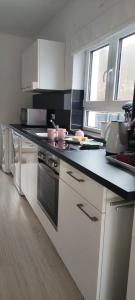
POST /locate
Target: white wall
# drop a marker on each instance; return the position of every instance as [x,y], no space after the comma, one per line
[83,22]
[78,71]
[11,96]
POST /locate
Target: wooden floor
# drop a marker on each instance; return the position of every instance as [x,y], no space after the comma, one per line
[30,268]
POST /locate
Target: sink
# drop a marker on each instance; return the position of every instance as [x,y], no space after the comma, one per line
[42,134]
[36,131]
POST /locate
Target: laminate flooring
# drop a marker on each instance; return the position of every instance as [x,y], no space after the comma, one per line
[30,268]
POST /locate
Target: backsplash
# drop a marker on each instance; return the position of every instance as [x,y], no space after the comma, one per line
[52,100]
[66,105]
[77,97]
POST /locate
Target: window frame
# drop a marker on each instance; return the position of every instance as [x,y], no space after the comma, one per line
[111,103]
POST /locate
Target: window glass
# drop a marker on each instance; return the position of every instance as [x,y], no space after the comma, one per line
[94,118]
[127,69]
[99,74]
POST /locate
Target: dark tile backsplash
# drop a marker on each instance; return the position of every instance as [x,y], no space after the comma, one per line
[53,100]
[77,119]
[67,106]
[77,97]
[63,118]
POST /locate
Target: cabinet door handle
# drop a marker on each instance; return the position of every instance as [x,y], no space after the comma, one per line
[122,204]
[70,173]
[93,219]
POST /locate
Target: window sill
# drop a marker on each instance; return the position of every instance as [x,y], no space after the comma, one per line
[90,134]
[94,135]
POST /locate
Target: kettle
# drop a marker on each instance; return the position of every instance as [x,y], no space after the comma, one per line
[116,136]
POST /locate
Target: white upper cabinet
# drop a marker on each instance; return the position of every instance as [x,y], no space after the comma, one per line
[43,66]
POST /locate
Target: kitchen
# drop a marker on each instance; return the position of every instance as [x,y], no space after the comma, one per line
[92,227]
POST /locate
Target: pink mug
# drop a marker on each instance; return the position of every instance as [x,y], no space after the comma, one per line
[51,133]
[62,132]
[79,132]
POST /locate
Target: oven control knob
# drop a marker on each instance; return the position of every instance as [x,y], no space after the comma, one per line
[44,157]
[52,163]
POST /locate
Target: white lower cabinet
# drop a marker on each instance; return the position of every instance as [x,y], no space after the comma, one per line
[29,162]
[131,278]
[92,238]
[79,231]
[16,160]
[95,246]
[116,251]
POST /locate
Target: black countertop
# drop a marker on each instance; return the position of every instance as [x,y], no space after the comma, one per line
[93,163]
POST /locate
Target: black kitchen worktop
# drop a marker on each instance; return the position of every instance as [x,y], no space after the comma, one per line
[93,163]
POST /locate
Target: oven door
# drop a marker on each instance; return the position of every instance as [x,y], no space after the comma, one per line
[47,192]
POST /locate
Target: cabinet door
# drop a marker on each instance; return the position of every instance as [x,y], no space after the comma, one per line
[29,153]
[131,278]
[88,188]
[79,232]
[17,170]
[116,250]
[51,65]
[43,66]
[30,66]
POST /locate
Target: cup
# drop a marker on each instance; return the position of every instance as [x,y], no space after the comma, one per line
[79,133]
[62,132]
[51,133]
[61,144]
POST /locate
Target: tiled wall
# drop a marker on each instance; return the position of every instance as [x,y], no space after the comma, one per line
[67,106]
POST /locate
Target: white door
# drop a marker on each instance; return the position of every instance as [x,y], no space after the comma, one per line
[79,231]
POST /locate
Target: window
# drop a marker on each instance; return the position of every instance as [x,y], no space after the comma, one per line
[98,74]
[127,68]
[93,119]
[110,77]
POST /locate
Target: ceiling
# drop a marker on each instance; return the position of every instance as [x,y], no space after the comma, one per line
[27,17]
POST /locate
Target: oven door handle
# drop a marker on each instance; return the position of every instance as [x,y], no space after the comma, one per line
[51,173]
[54,175]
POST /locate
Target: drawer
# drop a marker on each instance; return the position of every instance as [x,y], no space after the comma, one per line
[88,188]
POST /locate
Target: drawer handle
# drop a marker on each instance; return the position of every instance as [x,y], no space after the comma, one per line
[70,173]
[93,219]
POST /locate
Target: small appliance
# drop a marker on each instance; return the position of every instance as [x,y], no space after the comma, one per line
[33,117]
[117,137]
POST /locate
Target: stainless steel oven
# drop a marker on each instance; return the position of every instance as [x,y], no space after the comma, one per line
[48,184]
